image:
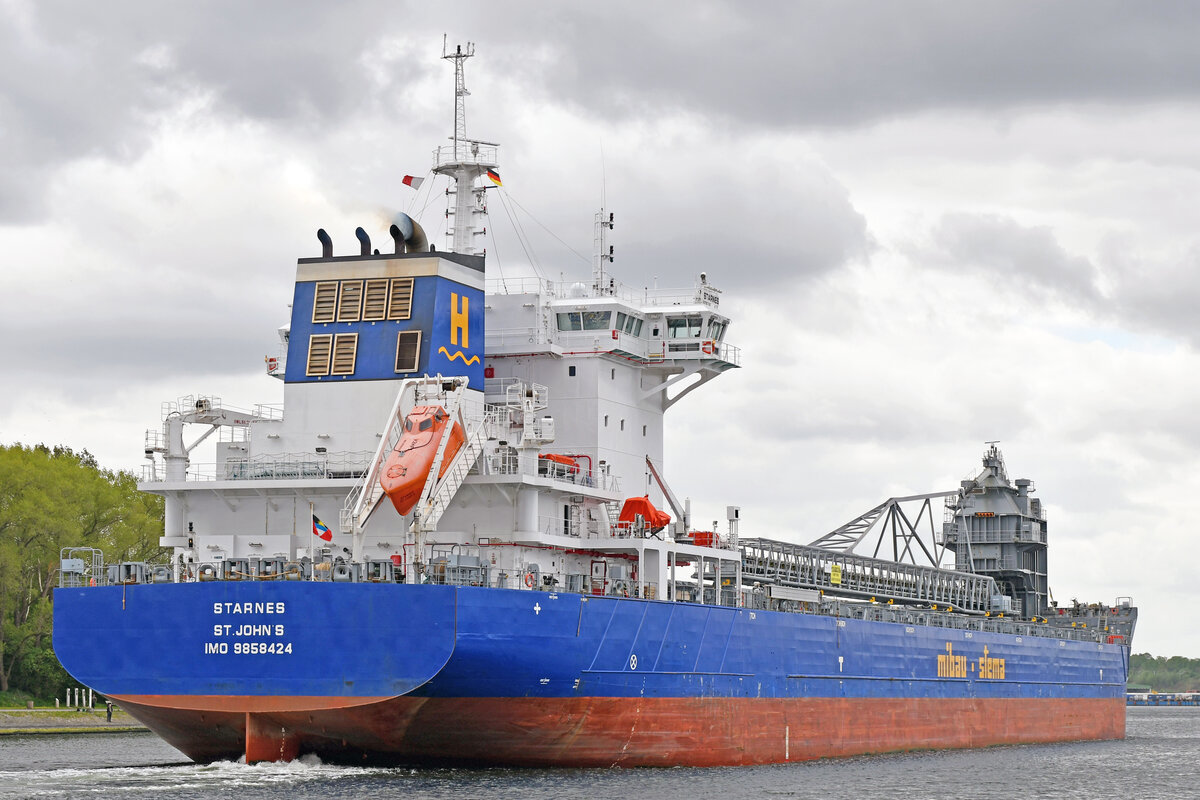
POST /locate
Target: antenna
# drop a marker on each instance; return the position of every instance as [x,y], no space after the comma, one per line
[460,89]
[604,251]
[465,160]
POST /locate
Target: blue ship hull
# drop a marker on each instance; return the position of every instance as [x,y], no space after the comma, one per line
[441,673]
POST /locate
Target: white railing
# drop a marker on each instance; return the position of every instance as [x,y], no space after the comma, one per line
[282,466]
[644,297]
[514,463]
[469,151]
[514,338]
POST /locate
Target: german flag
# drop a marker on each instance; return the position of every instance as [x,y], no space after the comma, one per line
[494,177]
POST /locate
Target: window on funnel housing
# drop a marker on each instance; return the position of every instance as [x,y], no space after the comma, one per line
[400,293]
[350,303]
[319,348]
[345,349]
[408,351]
[375,297]
[325,301]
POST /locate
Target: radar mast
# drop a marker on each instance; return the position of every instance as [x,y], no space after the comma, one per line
[465,160]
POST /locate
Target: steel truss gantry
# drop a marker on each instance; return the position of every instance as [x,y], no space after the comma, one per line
[851,575]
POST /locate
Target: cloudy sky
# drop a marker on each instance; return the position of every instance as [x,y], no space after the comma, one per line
[936,224]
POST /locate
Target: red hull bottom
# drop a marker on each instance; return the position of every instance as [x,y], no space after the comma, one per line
[603,732]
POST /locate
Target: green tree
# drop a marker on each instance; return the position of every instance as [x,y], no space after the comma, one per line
[1174,674]
[50,499]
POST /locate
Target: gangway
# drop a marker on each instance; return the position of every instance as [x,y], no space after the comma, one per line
[850,575]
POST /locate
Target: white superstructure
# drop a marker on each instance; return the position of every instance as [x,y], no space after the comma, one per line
[562,394]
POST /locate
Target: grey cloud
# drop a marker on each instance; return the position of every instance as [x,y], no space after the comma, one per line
[1159,294]
[75,79]
[849,63]
[1024,260]
[1153,294]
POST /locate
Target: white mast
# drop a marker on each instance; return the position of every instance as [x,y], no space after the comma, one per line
[465,160]
[603,250]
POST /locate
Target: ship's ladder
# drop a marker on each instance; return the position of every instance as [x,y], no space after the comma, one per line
[614,516]
[437,494]
[364,498]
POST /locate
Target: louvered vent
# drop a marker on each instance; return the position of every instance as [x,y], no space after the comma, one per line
[408,351]
[345,345]
[318,353]
[375,299]
[325,301]
[400,300]
[350,303]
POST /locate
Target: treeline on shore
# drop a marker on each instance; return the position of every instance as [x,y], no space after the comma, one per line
[52,498]
[1162,674]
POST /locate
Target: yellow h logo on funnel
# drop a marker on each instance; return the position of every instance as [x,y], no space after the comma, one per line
[458,319]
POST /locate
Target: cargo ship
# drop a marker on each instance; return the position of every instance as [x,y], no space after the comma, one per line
[456,543]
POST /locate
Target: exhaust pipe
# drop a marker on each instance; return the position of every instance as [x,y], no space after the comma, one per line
[408,235]
[326,243]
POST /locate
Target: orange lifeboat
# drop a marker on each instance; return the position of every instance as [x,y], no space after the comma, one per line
[655,520]
[557,465]
[408,465]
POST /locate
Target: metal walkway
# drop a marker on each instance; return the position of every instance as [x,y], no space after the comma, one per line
[849,575]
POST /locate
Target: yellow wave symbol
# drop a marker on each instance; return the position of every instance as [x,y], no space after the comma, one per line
[458,354]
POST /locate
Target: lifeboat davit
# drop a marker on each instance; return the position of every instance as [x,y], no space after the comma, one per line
[655,520]
[408,465]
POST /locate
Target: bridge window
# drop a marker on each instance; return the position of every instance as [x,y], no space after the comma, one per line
[596,320]
[408,351]
[683,328]
[319,348]
[350,303]
[584,321]
[325,301]
[345,348]
[633,326]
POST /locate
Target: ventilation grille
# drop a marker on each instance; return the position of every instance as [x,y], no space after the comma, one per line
[319,347]
[325,301]
[350,303]
[408,351]
[375,299]
[400,299]
[345,345]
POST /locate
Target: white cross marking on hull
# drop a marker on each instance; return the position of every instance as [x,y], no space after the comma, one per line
[537,609]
